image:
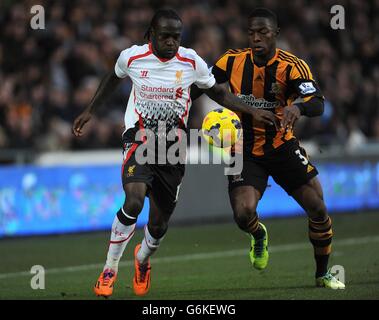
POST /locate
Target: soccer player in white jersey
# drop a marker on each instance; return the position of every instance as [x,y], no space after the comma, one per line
[162,73]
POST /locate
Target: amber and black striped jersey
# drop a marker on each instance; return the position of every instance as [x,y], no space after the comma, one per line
[285,79]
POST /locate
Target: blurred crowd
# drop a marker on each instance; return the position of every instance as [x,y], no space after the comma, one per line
[48,76]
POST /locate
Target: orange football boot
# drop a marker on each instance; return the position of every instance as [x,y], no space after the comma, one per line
[104,285]
[141,280]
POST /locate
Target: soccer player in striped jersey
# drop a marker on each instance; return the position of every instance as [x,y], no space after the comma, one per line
[162,73]
[268,78]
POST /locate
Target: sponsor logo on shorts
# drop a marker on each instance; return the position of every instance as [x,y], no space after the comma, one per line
[131,171]
[237,178]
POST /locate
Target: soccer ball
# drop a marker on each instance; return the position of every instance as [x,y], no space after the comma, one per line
[221,128]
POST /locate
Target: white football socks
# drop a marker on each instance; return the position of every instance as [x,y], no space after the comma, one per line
[148,246]
[120,237]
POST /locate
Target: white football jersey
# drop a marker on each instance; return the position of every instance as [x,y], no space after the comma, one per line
[161,87]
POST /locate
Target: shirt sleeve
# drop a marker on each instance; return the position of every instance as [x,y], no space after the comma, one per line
[301,81]
[204,77]
[219,69]
[121,66]
[219,74]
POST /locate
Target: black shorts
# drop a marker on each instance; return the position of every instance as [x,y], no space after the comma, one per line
[288,165]
[163,181]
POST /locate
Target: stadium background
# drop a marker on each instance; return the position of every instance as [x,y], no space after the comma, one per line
[51,182]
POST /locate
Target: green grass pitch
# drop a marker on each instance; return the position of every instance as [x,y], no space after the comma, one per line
[200,262]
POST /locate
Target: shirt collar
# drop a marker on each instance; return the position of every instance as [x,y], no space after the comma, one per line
[271,61]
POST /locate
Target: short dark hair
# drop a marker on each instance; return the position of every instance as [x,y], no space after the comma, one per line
[161,13]
[264,13]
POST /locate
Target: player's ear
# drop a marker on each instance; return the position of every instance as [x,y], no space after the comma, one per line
[277,31]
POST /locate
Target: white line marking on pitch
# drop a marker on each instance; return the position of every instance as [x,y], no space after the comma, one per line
[199,256]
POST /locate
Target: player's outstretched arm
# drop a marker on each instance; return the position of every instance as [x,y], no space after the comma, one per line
[222,96]
[107,85]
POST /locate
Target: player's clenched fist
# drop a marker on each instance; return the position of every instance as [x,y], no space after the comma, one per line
[80,121]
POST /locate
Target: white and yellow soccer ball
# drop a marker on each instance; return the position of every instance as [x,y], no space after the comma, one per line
[221,128]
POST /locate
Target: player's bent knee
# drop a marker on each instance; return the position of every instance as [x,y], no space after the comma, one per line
[133,206]
[158,230]
[245,208]
[317,210]
[243,213]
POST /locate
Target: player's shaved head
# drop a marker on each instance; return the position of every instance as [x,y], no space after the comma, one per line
[263,31]
[265,13]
